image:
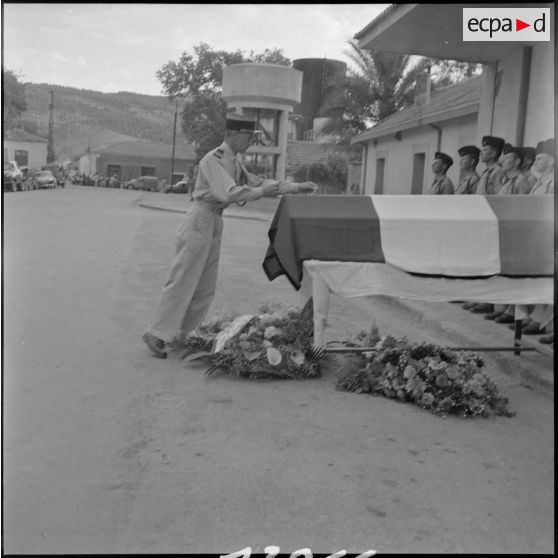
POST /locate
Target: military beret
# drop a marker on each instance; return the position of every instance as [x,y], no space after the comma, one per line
[508,148]
[469,150]
[240,122]
[546,146]
[529,153]
[493,141]
[445,158]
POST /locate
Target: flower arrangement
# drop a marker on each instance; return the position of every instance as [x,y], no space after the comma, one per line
[272,344]
[440,380]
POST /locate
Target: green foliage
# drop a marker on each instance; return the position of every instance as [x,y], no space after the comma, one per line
[83,117]
[437,379]
[330,172]
[286,334]
[198,77]
[14,102]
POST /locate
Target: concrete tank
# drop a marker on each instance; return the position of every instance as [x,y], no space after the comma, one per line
[262,83]
[323,91]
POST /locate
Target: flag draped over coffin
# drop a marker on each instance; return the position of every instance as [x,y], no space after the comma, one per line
[452,236]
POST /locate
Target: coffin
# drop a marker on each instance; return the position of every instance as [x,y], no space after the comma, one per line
[450,236]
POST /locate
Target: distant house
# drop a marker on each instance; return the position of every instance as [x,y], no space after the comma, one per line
[28,150]
[399,150]
[516,96]
[137,158]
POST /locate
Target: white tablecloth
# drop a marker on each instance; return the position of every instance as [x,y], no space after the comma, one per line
[354,279]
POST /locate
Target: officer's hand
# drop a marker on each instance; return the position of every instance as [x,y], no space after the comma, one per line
[305,187]
[270,190]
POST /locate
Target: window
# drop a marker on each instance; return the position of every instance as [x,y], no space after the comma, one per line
[380,173]
[417,183]
[21,157]
[148,171]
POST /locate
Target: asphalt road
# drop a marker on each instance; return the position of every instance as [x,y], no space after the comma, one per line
[109,450]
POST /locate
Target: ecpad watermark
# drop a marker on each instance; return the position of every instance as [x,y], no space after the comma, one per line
[506,24]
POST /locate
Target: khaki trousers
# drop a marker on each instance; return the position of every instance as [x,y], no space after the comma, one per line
[190,288]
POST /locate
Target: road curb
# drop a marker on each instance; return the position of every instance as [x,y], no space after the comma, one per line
[229,215]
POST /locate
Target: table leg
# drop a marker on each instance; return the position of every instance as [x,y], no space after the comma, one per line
[517,335]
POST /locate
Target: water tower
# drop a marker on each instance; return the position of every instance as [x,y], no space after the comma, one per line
[323,94]
[269,92]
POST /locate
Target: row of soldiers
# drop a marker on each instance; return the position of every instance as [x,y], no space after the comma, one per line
[508,171]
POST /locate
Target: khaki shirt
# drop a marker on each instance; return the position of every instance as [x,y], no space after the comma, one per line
[530,178]
[442,185]
[514,185]
[222,179]
[491,180]
[543,185]
[468,184]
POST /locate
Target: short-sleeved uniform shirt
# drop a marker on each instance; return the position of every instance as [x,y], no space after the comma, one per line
[442,185]
[514,185]
[491,180]
[222,179]
[468,184]
[543,185]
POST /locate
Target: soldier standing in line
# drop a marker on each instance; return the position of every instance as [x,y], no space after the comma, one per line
[221,180]
[491,179]
[469,177]
[489,184]
[441,184]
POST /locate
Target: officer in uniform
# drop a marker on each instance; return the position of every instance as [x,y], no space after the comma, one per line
[469,177]
[491,178]
[441,184]
[222,179]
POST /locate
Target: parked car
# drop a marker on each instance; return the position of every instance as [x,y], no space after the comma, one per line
[149,183]
[44,179]
[12,177]
[181,187]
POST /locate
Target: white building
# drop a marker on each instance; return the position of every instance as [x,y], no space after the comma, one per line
[516,95]
[26,149]
[399,150]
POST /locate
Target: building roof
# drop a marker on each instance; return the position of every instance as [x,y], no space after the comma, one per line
[144,148]
[449,102]
[380,17]
[436,31]
[17,134]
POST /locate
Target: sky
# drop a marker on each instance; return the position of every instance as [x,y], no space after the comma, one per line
[120,47]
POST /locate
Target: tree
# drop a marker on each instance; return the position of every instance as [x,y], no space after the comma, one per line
[14,98]
[198,78]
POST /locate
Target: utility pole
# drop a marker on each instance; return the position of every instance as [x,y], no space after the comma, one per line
[50,146]
[173,139]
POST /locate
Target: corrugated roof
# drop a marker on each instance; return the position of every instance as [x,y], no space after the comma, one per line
[17,134]
[376,20]
[448,102]
[144,148]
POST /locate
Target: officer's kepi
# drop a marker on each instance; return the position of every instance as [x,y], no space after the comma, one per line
[493,141]
[240,123]
[469,150]
[446,159]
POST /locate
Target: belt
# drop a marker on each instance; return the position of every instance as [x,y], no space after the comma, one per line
[212,207]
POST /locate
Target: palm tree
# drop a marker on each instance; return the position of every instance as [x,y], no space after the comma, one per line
[382,82]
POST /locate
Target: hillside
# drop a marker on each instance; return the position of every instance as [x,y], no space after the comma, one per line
[85,118]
